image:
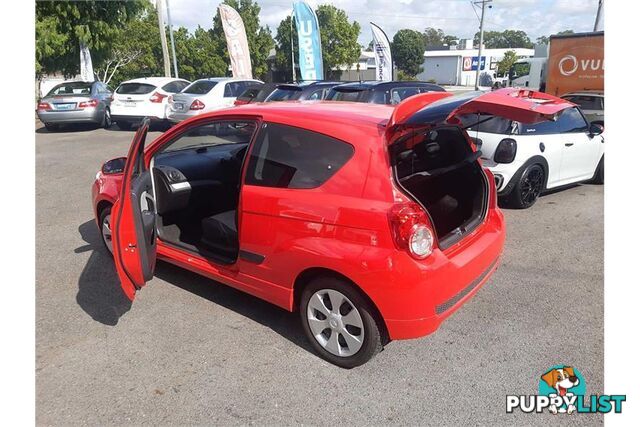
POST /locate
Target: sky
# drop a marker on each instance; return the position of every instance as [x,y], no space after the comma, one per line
[455,17]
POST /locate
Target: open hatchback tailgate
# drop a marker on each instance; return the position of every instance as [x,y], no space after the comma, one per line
[525,106]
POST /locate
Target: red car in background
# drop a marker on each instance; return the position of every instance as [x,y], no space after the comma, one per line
[374,223]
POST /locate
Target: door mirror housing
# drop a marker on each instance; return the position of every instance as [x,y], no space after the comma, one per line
[595,129]
[114,166]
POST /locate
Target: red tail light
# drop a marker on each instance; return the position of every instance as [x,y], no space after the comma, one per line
[92,103]
[411,229]
[157,97]
[44,106]
[196,105]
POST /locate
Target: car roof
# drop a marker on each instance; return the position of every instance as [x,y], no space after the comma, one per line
[367,85]
[154,80]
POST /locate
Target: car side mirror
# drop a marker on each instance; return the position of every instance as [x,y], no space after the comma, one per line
[595,129]
[114,166]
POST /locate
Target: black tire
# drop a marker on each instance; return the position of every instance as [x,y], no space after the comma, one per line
[103,214]
[124,125]
[529,184]
[106,120]
[598,176]
[371,330]
[51,127]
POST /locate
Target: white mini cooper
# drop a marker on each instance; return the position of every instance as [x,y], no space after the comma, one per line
[527,159]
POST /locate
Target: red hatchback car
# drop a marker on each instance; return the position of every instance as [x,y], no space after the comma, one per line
[374,223]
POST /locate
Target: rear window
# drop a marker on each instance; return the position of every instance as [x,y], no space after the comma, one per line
[290,157]
[586,102]
[285,94]
[135,88]
[347,95]
[73,88]
[201,87]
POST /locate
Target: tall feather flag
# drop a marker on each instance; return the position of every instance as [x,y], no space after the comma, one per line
[310,48]
[236,42]
[382,51]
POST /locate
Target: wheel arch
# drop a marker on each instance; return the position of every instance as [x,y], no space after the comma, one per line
[537,159]
[306,276]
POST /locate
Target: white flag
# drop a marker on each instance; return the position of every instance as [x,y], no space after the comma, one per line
[236,42]
[86,67]
[382,51]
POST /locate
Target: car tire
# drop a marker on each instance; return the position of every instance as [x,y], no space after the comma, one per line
[123,125]
[598,176]
[106,120]
[105,221]
[326,327]
[529,184]
[51,127]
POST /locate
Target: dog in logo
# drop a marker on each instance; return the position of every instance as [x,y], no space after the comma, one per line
[562,380]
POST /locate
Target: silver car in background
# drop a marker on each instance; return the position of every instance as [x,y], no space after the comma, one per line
[76,102]
[591,103]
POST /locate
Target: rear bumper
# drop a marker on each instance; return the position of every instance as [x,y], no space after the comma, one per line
[420,295]
[88,115]
[175,116]
[134,119]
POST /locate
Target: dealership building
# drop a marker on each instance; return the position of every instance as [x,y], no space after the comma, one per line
[456,65]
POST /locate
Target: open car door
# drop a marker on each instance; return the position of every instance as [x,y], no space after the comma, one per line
[525,106]
[134,220]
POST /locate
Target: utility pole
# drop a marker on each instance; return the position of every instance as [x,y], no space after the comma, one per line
[293,62]
[163,39]
[598,15]
[173,44]
[483,3]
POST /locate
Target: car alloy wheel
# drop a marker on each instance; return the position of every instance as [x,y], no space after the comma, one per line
[105,228]
[335,322]
[531,185]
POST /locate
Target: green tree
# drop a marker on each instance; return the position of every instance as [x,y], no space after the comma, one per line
[503,66]
[504,39]
[437,37]
[339,38]
[258,37]
[196,54]
[407,50]
[283,47]
[62,25]
[545,39]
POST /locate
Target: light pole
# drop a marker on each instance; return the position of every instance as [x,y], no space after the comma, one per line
[163,39]
[293,62]
[483,3]
[173,44]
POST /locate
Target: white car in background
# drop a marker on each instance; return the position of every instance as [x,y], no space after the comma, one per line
[136,99]
[206,95]
[528,159]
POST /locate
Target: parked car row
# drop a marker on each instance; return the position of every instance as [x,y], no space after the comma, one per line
[165,99]
[370,233]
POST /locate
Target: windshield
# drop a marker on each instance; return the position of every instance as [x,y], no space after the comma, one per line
[201,87]
[285,94]
[72,88]
[135,88]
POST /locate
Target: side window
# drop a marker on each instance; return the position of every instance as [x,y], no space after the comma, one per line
[570,120]
[212,134]
[316,95]
[586,102]
[289,157]
[400,94]
[234,89]
[228,90]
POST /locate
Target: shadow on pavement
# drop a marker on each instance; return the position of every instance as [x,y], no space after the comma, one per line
[100,295]
[70,128]
[99,292]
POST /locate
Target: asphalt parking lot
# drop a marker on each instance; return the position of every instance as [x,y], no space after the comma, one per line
[191,351]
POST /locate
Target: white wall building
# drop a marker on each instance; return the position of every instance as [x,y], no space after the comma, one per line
[458,66]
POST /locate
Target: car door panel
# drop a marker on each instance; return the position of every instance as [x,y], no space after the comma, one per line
[134,220]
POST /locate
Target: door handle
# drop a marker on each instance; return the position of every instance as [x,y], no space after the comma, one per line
[568,144]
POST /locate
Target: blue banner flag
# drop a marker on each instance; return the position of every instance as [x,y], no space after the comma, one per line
[309,47]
